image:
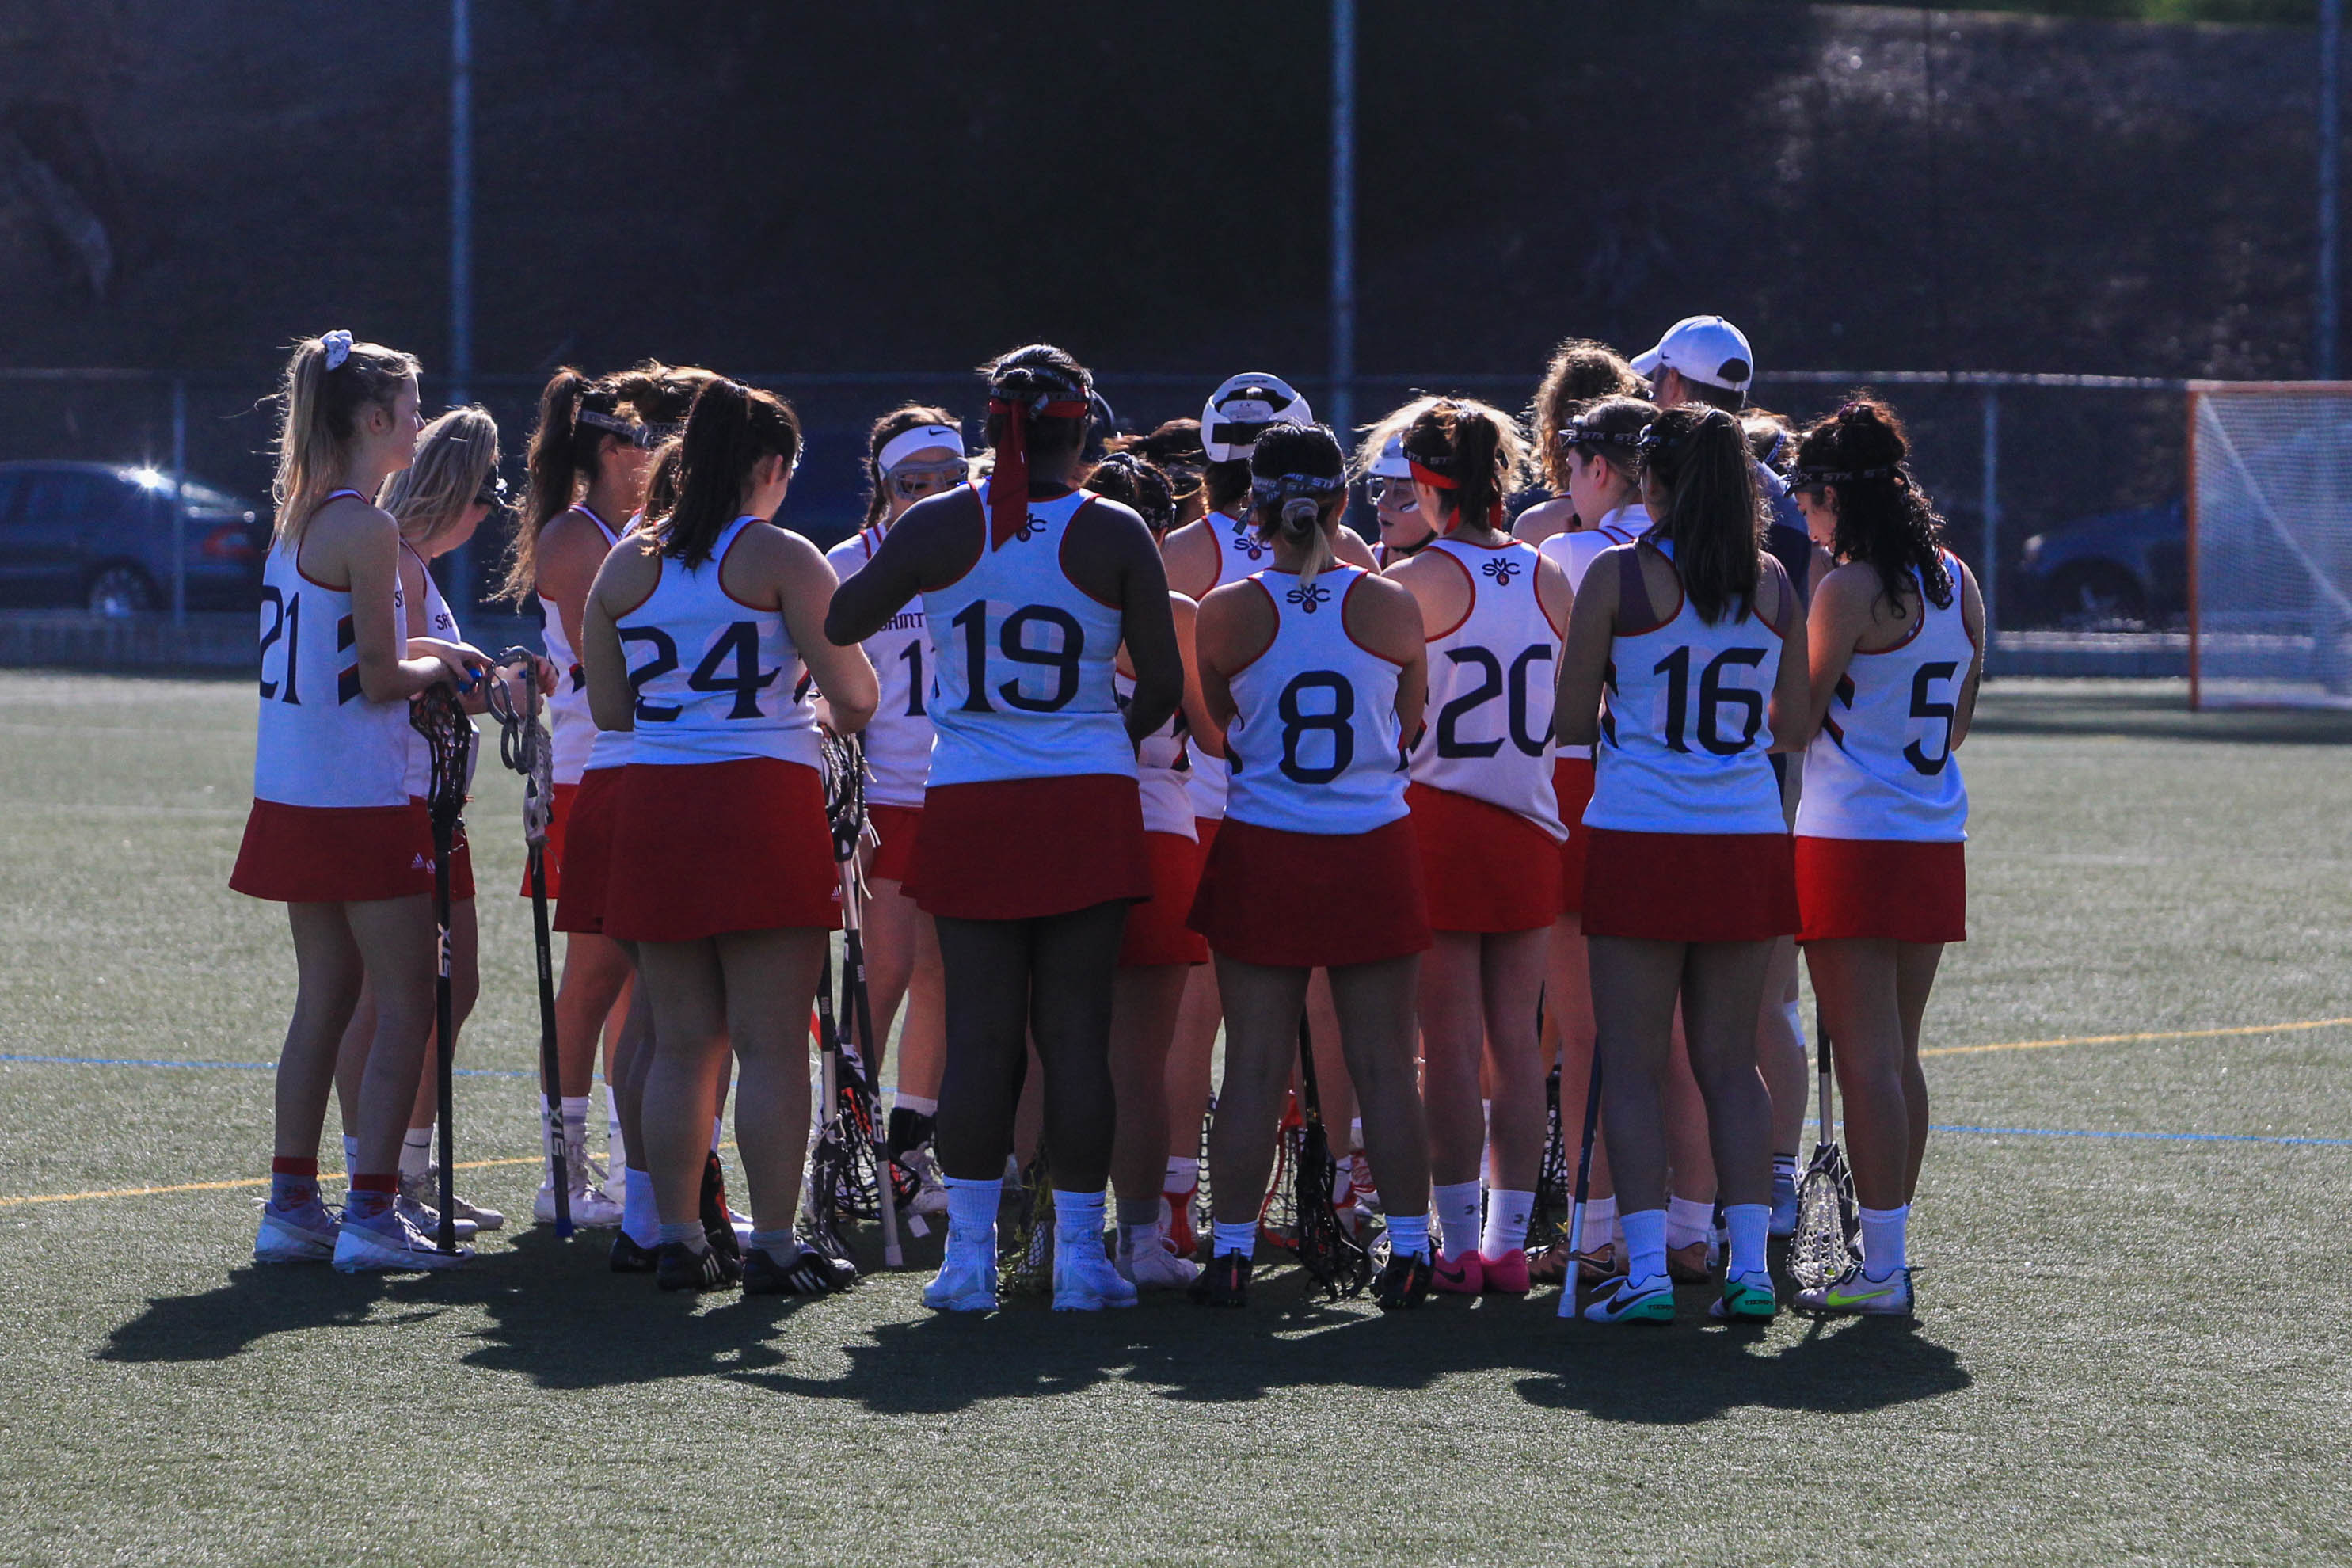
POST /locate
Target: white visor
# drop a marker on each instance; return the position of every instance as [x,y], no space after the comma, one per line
[923,437]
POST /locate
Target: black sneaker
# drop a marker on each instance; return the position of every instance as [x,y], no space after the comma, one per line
[1403,1284]
[717,1223]
[810,1274]
[628,1257]
[678,1267]
[1224,1283]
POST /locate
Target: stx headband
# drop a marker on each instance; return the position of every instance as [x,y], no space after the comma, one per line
[1803,478]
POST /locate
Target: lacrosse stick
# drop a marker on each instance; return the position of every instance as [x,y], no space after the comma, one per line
[1572,1282]
[523,746]
[1823,1246]
[1336,1260]
[860,1052]
[1552,1175]
[832,1174]
[1025,1255]
[449,738]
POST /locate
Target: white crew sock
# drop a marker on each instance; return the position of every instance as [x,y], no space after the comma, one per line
[972,1214]
[1486,1149]
[1796,1021]
[1506,1221]
[639,1219]
[916,1103]
[1183,1176]
[689,1234]
[779,1245]
[1688,1220]
[1885,1244]
[350,1156]
[1409,1234]
[1078,1221]
[575,1121]
[1356,1133]
[1748,1224]
[1456,1203]
[416,1152]
[1138,1238]
[1230,1238]
[1599,1223]
[616,1145]
[1645,1247]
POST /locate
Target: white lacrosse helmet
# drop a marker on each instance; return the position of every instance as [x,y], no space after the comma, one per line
[1241,409]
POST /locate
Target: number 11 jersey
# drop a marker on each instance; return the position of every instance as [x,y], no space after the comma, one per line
[898,738]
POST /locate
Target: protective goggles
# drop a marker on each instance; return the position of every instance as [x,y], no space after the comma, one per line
[1396,494]
[913,481]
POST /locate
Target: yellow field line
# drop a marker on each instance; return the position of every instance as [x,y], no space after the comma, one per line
[220,1186]
[2136,1040]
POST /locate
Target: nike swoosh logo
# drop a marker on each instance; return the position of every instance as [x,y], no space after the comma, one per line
[1454,1273]
[1837,1298]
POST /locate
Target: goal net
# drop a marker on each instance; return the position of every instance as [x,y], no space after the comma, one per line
[2270,545]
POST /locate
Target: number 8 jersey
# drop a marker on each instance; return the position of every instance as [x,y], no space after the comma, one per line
[1881,767]
[1024,662]
[715,678]
[1686,736]
[1314,743]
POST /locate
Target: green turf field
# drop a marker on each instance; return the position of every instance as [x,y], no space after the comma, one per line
[2130,1348]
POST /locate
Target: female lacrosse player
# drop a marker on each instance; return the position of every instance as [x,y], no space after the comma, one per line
[1159,950]
[1317,670]
[911,452]
[1688,877]
[1488,827]
[332,834]
[721,866]
[1896,634]
[1031,847]
[1581,373]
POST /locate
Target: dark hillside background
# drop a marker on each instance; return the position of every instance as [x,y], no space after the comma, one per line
[906,187]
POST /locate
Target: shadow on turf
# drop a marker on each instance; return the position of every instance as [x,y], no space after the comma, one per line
[558,1318]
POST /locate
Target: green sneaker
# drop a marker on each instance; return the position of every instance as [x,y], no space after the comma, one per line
[1652,1301]
[1749,1296]
[1855,1293]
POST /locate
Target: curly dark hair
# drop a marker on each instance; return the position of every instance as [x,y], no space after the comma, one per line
[1137,482]
[1884,518]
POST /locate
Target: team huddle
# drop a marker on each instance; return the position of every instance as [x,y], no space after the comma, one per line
[1507,819]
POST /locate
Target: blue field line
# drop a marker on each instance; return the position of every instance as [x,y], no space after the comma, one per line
[242,1067]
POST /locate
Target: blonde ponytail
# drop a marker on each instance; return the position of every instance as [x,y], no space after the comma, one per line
[318,407]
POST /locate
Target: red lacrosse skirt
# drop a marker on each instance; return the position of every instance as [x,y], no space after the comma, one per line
[559,814]
[1018,849]
[701,849]
[895,828]
[588,847]
[1689,887]
[1572,781]
[1307,901]
[1486,870]
[341,854]
[1205,829]
[1878,887]
[1156,932]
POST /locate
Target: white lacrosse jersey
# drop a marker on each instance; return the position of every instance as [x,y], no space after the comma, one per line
[570,728]
[1491,680]
[320,741]
[1883,767]
[715,680]
[1162,764]
[1574,554]
[898,739]
[1685,731]
[1023,688]
[1314,746]
[1240,551]
[441,621]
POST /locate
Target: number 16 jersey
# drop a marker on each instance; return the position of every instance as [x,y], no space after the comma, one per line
[715,678]
[1314,741]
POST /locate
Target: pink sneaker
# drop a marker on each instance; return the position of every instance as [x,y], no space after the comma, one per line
[1463,1275]
[1507,1275]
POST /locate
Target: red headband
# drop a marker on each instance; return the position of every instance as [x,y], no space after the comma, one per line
[1008,483]
[1438,481]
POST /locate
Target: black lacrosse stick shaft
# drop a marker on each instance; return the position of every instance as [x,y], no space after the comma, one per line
[1575,1275]
[449,738]
[549,1063]
[1339,1262]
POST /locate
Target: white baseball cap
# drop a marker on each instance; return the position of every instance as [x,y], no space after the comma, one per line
[1705,348]
[1241,409]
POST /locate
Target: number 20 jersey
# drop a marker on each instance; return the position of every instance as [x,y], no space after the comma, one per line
[1491,679]
[715,678]
[1685,731]
[1314,743]
[1023,687]
[1883,767]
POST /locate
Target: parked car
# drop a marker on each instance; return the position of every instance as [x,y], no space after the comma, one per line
[2119,570]
[97,536]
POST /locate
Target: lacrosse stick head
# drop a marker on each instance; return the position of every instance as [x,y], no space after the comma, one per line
[1333,1259]
[1822,1247]
[437,715]
[523,743]
[1025,1255]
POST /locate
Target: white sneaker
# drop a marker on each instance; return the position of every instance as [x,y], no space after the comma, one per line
[1157,1269]
[427,1219]
[1856,1293]
[1083,1281]
[390,1242]
[966,1282]
[425,1187]
[305,1234]
[931,1191]
[591,1209]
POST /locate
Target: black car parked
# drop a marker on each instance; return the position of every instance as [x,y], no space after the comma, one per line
[2120,570]
[97,536]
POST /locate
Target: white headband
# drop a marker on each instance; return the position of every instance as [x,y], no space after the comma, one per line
[338,344]
[907,443]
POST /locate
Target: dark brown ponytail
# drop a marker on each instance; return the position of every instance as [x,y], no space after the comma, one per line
[1858,454]
[1712,514]
[730,428]
[1471,454]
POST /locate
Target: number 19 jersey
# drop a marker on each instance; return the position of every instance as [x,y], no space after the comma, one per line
[1314,743]
[1686,737]
[1025,655]
[715,678]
